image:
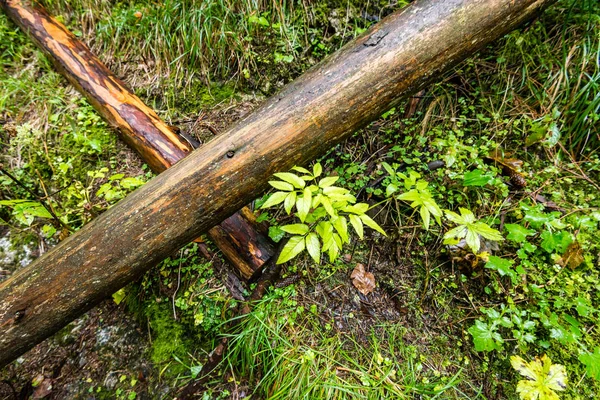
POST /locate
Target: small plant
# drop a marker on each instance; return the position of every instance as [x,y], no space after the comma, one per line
[469,229]
[544,379]
[416,193]
[324,211]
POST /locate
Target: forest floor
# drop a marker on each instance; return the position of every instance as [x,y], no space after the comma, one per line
[512,135]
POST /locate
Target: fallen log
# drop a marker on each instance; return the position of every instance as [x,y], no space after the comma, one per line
[244,246]
[395,58]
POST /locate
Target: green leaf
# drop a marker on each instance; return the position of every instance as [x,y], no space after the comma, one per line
[274,199]
[518,233]
[357,224]
[291,178]
[425,216]
[276,234]
[131,183]
[503,266]
[279,185]
[313,246]
[301,170]
[477,178]
[358,208]
[317,170]
[328,207]
[485,337]
[472,239]
[371,224]
[292,248]
[341,227]
[295,229]
[326,182]
[556,242]
[118,296]
[486,231]
[390,189]
[289,202]
[592,363]
[303,204]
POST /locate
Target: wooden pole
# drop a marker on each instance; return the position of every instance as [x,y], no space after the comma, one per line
[246,248]
[397,57]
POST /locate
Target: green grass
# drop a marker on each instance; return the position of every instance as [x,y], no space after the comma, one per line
[284,353]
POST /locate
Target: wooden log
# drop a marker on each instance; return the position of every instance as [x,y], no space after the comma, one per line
[158,144]
[395,58]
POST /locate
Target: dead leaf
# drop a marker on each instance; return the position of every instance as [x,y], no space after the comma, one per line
[573,256]
[43,387]
[362,280]
[511,167]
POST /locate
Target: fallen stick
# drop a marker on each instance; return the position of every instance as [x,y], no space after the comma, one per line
[244,246]
[397,57]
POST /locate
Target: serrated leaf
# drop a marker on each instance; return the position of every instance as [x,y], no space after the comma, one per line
[518,233]
[279,185]
[503,266]
[274,199]
[317,170]
[371,224]
[313,246]
[543,378]
[292,248]
[592,363]
[289,202]
[485,337]
[357,224]
[326,182]
[472,240]
[295,229]
[294,179]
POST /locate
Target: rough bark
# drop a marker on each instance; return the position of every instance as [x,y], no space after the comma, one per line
[156,142]
[395,58]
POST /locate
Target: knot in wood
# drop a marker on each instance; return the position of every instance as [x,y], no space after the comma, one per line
[230,153]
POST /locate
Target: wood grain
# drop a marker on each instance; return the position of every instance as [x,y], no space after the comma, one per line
[397,57]
[157,143]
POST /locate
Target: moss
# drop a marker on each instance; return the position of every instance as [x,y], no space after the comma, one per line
[169,338]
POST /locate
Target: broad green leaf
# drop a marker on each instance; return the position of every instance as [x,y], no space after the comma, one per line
[473,241]
[276,234]
[301,170]
[326,182]
[313,246]
[328,207]
[371,224]
[335,190]
[357,224]
[292,248]
[303,204]
[317,170]
[592,363]
[390,189]
[341,227]
[388,168]
[289,202]
[518,233]
[477,178]
[486,231]
[485,337]
[291,178]
[279,185]
[295,229]
[503,266]
[131,183]
[274,199]
[358,208]
[543,378]
[556,242]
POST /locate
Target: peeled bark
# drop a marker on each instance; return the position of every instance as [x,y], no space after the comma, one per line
[396,58]
[157,143]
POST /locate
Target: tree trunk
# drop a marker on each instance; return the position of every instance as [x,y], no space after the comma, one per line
[156,142]
[395,58]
